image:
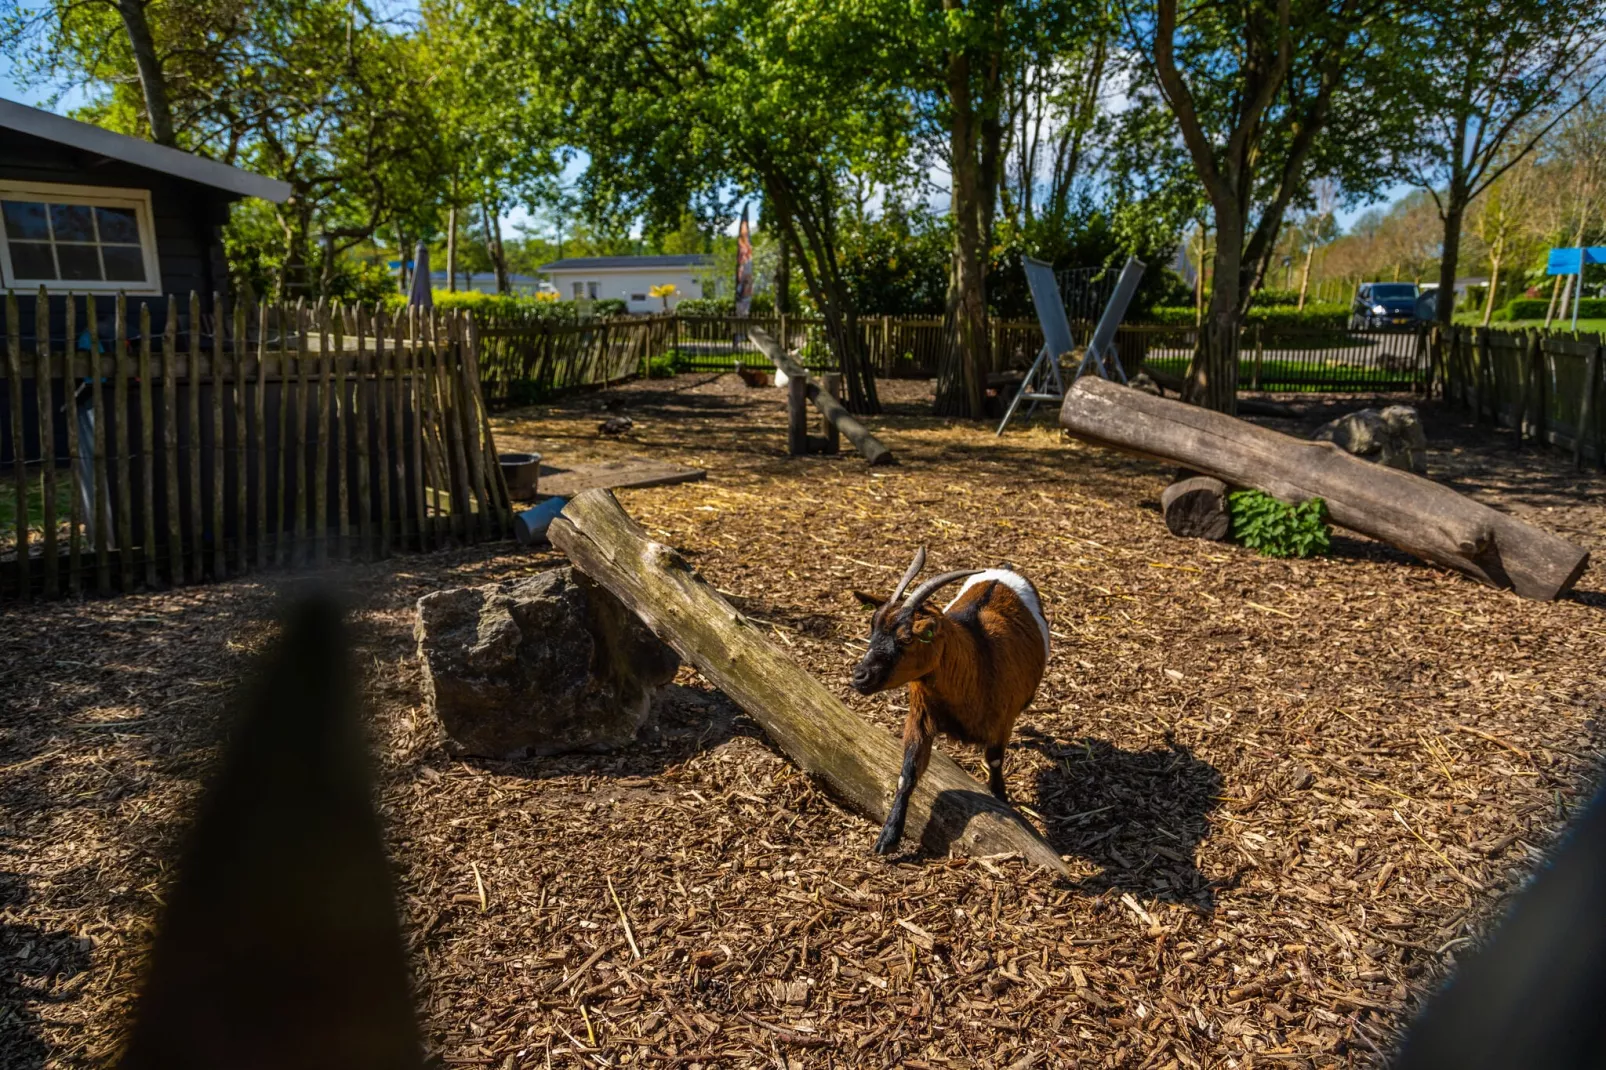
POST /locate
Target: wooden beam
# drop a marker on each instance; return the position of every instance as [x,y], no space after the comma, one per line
[857,761]
[1404,510]
[867,444]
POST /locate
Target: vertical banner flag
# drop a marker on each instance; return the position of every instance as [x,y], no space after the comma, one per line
[744,267]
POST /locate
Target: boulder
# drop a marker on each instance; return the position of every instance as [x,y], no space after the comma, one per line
[1392,437]
[545,665]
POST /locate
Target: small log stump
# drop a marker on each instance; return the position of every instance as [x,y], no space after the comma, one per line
[1196,508]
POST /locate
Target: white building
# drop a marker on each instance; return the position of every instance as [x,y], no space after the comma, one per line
[631,278]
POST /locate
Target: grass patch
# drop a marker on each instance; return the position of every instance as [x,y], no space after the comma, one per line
[35,507]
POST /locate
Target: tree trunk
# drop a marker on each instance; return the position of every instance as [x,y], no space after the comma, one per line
[493,246]
[1304,276]
[962,374]
[1555,292]
[152,82]
[783,276]
[1415,514]
[810,235]
[1213,376]
[858,762]
[1455,207]
[451,250]
[1494,282]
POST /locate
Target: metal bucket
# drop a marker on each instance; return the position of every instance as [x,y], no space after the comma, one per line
[522,472]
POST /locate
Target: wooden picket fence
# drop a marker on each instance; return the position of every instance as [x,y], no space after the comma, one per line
[182,446]
[1549,386]
[527,359]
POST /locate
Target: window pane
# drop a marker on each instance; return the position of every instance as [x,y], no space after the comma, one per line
[78,261]
[118,225]
[32,260]
[73,222]
[25,219]
[124,263]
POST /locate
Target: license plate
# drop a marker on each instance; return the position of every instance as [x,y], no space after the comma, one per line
[1399,319]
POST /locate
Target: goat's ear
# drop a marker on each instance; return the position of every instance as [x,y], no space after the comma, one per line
[868,599]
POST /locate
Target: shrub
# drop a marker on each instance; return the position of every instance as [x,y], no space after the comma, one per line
[1534,308]
[1331,316]
[662,366]
[763,305]
[1277,528]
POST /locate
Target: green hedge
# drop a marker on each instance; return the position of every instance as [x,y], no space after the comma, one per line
[763,305]
[1534,308]
[514,306]
[1330,316]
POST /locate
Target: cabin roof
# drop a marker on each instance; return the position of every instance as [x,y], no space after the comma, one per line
[141,153]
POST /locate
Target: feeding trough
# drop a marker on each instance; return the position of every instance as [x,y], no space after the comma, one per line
[522,472]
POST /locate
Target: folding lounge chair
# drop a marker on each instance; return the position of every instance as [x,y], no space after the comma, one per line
[1044,382]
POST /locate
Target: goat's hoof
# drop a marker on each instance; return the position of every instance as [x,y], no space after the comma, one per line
[888,842]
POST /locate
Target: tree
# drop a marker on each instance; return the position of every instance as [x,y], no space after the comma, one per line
[1493,78]
[687,103]
[1500,219]
[1253,89]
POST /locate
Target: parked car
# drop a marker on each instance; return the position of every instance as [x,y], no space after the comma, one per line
[1383,304]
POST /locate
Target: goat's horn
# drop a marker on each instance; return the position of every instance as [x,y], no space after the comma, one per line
[930,587]
[908,577]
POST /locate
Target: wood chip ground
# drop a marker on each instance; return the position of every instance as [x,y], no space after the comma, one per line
[1292,793]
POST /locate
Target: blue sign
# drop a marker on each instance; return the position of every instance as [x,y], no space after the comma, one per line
[1565,261]
[394,264]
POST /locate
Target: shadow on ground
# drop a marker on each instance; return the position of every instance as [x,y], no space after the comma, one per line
[1139,814]
[36,963]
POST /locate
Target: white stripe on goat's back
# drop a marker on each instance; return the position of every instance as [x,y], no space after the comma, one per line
[1015,582]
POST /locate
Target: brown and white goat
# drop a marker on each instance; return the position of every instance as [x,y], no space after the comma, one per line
[971,667]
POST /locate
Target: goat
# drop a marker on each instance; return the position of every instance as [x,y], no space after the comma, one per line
[971,667]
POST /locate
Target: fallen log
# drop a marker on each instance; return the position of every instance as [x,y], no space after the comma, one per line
[1196,508]
[859,762]
[867,444]
[1404,510]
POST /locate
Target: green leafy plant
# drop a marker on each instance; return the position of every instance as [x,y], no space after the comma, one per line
[662,366]
[1277,528]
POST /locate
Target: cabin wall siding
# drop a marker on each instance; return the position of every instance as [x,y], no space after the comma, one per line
[187,218]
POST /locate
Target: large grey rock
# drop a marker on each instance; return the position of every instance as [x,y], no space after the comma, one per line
[545,665]
[1393,437]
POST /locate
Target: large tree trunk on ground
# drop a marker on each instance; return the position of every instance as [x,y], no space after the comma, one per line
[859,762]
[1406,511]
[863,441]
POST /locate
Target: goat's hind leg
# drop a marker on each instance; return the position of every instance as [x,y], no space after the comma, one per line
[917,737]
[995,772]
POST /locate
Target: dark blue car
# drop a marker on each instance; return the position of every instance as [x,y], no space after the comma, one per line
[1378,305]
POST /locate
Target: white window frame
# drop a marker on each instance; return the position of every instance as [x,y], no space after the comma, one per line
[90,196]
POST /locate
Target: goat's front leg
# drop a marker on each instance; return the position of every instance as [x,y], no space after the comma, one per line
[995,772]
[917,736]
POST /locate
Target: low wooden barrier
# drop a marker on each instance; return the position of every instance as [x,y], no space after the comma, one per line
[227,441]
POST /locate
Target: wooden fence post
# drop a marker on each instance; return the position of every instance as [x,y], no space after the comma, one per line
[1535,360]
[1260,354]
[831,383]
[797,416]
[47,438]
[19,469]
[1586,406]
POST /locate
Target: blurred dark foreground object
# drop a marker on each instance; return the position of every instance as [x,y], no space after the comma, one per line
[280,946]
[1535,995]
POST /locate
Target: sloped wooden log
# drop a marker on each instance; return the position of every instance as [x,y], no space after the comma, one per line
[867,444]
[1196,508]
[1414,514]
[859,762]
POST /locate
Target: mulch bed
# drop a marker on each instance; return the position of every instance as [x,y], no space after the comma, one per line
[1292,792]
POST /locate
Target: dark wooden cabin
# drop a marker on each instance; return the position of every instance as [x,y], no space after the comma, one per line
[87,211]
